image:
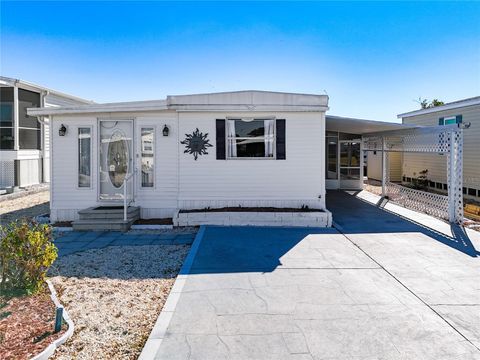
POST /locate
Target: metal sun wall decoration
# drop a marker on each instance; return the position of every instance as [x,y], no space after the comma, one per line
[196,143]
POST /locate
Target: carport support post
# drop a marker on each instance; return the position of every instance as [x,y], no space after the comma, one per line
[384,168]
[455,176]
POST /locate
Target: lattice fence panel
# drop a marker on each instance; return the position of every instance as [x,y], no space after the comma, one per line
[444,140]
[429,203]
[455,175]
[410,141]
[7,173]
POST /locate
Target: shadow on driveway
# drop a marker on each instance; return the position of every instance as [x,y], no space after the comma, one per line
[359,217]
[254,249]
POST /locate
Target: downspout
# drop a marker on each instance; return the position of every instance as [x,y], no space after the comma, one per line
[42,122]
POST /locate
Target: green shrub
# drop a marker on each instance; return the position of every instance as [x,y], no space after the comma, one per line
[26,253]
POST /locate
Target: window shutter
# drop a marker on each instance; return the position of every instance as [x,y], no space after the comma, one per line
[220,126]
[280,140]
[440,121]
[458,119]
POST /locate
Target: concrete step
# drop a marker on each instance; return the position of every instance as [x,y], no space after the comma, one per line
[110,225]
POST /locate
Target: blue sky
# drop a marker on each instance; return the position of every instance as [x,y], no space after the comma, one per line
[372,58]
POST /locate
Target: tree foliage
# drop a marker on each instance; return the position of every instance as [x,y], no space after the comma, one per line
[424,104]
[26,254]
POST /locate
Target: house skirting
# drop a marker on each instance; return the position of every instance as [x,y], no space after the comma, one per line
[231,218]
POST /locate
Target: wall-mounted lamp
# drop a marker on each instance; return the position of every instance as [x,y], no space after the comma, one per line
[62,131]
[165,130]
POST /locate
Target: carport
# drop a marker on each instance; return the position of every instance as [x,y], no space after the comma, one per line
[446,140]
[348,140]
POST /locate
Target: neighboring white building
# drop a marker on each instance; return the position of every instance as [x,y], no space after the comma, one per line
[245,148]
[462,111]
[24,141]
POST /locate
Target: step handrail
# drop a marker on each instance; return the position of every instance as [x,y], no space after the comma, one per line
[125,203]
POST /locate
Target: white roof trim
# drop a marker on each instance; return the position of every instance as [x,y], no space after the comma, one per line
[361,126]
[6,81]
[449,106]
[152,105]
[228,101]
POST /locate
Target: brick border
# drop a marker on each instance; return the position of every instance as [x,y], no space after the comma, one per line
[160,328]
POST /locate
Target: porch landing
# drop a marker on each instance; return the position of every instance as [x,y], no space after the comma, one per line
[106,218]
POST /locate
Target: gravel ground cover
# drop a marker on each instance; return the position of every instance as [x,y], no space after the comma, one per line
[26,325]
[375,187]
[29,205]
[114,296]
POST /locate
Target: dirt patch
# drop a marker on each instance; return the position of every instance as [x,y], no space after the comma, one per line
[63,224]
[252,209]
[114,296]
[26,325]
[166,221]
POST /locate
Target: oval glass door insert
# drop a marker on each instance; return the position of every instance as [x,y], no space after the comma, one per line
[117,159]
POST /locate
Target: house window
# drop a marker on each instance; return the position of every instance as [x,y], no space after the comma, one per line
[148,152]
[457,119]
[6,118]
[251,138]
[84,157]
[331,149]
[29,128]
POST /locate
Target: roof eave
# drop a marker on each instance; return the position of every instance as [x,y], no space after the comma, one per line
[446,107]
[249,107]
[90,110]
[186,108]
[12,82]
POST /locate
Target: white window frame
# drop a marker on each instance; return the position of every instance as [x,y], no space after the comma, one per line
[154,150]
[29,128]
[227,152]
[91,157]
[449,118]
[359,167]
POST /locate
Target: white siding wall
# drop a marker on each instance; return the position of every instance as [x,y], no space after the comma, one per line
[66,197]
[295,181]
[161,200]
[181,182]
[46,153]
[30,171]
[374,165]
[436,164]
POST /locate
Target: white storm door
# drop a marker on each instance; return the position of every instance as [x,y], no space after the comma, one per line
[350,156]
[115,158]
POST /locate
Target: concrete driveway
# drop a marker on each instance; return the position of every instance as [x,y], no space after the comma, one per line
[381,288]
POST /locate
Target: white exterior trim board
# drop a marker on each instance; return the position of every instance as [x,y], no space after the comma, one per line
[451,106]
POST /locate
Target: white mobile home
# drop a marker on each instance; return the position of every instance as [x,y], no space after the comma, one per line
[24,141]
[462,111]
[241,149]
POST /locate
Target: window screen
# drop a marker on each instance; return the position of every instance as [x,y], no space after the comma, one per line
[148,157]
[6,118]
[84,157]
[250,138]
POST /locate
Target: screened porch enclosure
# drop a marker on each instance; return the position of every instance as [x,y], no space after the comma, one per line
[343,161]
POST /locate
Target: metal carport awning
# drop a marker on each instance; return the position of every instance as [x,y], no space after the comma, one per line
[446,140]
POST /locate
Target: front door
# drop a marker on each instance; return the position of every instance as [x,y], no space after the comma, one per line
[116,158]
[350,164]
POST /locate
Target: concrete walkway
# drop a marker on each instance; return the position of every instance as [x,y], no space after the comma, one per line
[382,287]
[74,241]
